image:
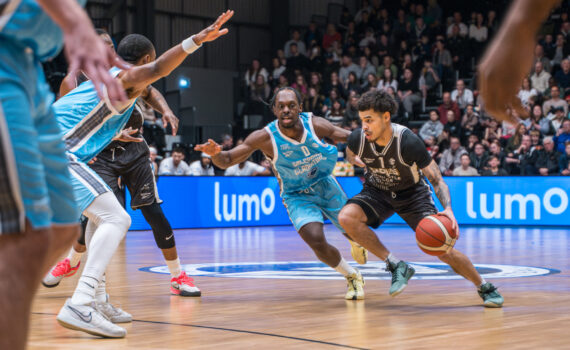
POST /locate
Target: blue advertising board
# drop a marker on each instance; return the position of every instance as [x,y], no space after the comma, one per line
[199,202]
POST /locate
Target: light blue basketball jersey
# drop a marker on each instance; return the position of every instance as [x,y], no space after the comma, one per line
[24,21]
[89,123]
[300,165]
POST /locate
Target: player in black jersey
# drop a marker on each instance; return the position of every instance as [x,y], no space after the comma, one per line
[396,161]
[128,158]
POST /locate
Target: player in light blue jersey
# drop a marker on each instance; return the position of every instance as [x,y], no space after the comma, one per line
[89,124]
[37,207]
[303,164]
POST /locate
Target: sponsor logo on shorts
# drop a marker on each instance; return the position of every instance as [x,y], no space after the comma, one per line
[315,270]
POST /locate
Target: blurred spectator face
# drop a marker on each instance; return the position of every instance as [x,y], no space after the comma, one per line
[314,79]
[555,92]
[387,61]
[429,141]
[526,84]
[548,145]
[227,142]
[526,142]
[460,85]
[384,40]
[153,154]
[433,116]
[454,144]
[294,49]
[333,94]
[567,149]
[336,105]
[387,74]
[538,67]
[479,149]
[565,65]
[407,59]
[548,38]
[283,80]
[419,10]
[401,15]
[275,62]
[363,61]
[296,35]
[494,162]
[419,22]
[450,116]
[479,18]
[473,139]
[365,16]
[255,65]
[354,101]
[455,30]
[371,78]
[469,109]
[439,45]
[566,127]
[334,77]
[457,17]
[312,92]
[206,162]
[494,148]
[331,29]
[538,50]
[384,13]
[537,111]
[346,61]
[260,80]
[493,124]
[446,98]
[312,26]
[465,161]
[390,91]
[300,80]
[407,74]
[177,157]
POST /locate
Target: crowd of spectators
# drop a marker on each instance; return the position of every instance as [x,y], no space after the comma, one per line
[426,58]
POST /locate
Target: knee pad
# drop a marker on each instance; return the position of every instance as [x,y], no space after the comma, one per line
[161,229]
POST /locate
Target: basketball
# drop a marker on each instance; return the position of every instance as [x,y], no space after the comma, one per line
[435,234]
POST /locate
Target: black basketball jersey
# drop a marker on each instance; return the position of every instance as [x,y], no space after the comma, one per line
[395,167]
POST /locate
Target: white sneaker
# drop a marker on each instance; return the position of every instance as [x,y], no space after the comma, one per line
[184,286]
[113,313]
[87,319]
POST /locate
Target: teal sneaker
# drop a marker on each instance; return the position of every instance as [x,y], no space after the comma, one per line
[401,273]
[490,295]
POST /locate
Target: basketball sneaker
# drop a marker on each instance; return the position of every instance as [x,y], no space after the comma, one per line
[491,297]
[113,313]
[184,286]
[359,254]
[58,272]
[401,273]
[88,319]
[355,286]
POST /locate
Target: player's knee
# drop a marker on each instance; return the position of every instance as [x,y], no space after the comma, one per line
[347,218]
[122,220]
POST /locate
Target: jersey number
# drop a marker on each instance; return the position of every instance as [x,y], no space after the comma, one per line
[305,150]
[381,162]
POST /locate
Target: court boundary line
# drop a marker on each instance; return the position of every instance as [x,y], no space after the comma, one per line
[235,331]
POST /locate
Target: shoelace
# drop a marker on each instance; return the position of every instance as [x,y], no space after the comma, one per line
[62,268]
[395,275]
[184,279]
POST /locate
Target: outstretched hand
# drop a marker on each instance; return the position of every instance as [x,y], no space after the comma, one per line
[125,136]
[170,118]
[211,148]
[213,31]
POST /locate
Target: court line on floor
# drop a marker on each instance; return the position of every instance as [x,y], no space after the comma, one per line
[233,330]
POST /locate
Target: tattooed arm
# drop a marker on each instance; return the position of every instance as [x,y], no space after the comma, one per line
[433,174]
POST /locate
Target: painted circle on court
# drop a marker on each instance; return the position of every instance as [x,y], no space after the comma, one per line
[316,270]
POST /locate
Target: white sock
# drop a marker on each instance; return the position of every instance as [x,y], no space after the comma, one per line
[74,257]
[344,268]
[101,291]
[174,267]
[392,259]
[85,292]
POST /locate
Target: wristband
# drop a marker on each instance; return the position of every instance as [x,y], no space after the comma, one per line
[189,45]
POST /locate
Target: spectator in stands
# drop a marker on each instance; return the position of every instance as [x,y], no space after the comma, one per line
[515,141]
[278,69]
[447,105]
[432,147]
[365,68]
[352,83]
[253,71]
[461,95]
[335,114]
[429,79]
[562,77]
[300,85]
[493,168]
[539,78]
[371,82]
[313,35]
[153,155]
[314,101]
[535,140]
[558,118]
[539,57]
[463,29]
[470,122]
[459,49]
[562,136]
[316,59]
[333,96]
[493,132]
[442,60]
[227,142]
[526,92]
[478,35]
[434,13]
[465,169]
[174,165]
[260,91]
[351,111]
[472,140]
[283,82]
[409,92]
[559,53]
[334,84]
[451,157]
[296,61]
[519,161]
[387,62]
[564,162]
[247,168]
[547,162]
[539,122]
[431,128]
[479,157]
[347,67]
[295,39]
[331,36]
[368,40]
[387,80]
[201,167]
[453,126]
[554,101]
[316,82]
[495,149]
[420,29]
[330,66]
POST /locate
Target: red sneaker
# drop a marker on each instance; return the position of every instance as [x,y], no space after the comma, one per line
[58,272]
[184,286]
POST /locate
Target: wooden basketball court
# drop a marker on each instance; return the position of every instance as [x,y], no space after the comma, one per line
[260,305]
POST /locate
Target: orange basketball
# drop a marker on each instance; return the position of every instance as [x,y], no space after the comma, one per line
[435,235]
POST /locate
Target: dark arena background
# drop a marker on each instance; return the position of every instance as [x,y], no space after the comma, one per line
[262,286]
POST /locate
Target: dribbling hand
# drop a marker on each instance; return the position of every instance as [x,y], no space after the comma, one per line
[449,214]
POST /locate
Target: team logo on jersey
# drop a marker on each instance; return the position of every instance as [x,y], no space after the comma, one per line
[284,147]
[287,153]
[315,270]
[392,162]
